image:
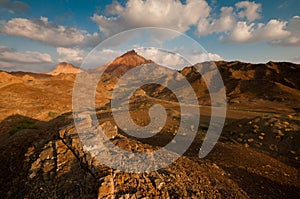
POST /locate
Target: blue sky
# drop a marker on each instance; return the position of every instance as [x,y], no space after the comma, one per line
[36,35]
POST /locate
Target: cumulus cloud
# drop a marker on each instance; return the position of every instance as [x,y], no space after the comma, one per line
[10,54]
[70,55]
[174,60]
[168,14]
[12,59]
[14,7]
[293,39]
[203,57]
[272,31]
[238,24]
[249,10]
[47,32]
[100,57]
[225,23]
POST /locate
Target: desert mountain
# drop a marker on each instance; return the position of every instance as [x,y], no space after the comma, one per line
[65,68]
[125,62]
[6,77]
[273,81]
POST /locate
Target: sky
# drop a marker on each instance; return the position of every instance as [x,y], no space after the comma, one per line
[37,35]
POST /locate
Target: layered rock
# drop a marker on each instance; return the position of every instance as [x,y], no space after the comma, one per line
[64,167]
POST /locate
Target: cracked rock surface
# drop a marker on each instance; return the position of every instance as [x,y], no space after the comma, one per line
[56,164]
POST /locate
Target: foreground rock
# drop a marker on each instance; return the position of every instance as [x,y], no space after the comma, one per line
[50,163]
[63,168]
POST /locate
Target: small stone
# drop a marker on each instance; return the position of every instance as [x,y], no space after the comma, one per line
[32,175]
[250,140]
[36,164]
[260,137]
[278,137]
[106,188]
[256,120]
[256,126]
[286,123]
[46,153]
[159,184]
[279,132]
[246,145]
[110,130]
[139,194]
[273,147]
[48,166]
[240,140]
[293,152]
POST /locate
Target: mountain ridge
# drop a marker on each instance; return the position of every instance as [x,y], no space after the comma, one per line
[64,68]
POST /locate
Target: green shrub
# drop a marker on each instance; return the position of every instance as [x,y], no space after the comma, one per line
[23,124]
[53,114]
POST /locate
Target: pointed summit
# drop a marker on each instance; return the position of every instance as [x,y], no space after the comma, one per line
[65,68]
[129,53]
[125,62]
[131,59]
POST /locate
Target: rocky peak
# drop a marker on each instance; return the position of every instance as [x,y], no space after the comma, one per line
[65,68]
[130,58]
[125,62]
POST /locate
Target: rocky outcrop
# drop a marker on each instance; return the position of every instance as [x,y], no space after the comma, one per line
[124,63]
[64,168]
[65,68]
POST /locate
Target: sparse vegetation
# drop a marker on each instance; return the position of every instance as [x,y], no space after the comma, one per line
[53,114]
[21,125]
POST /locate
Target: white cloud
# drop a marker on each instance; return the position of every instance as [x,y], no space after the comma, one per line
[47,32]
[293,39]
[10,55]
[241,32]
[12,59]
[238,24]
[204,57]
[13,6]
[140,13]
[163,58]
[273,30]
[174,60]
[70,55]
[229,18]
[100,57]
[223,24]
[249,10]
